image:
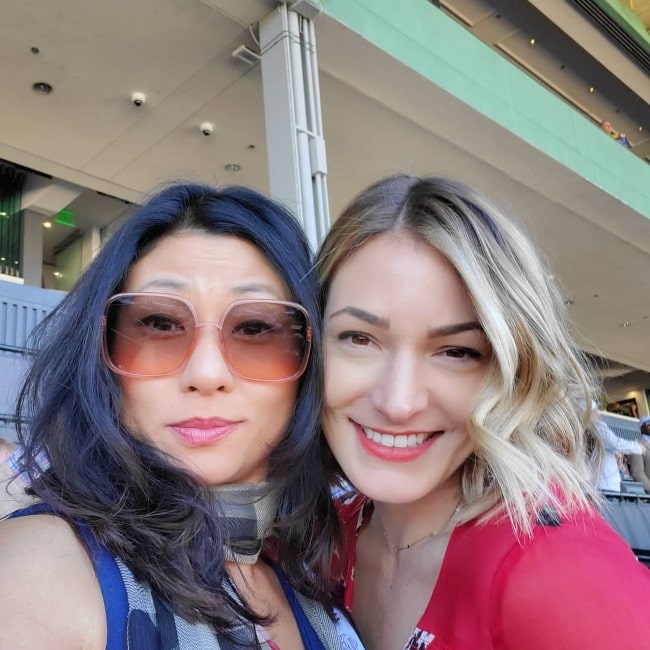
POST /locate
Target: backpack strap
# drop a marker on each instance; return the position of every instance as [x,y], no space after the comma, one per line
[310,639]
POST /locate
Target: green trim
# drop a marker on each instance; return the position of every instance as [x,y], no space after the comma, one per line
[628,20]
[425,39]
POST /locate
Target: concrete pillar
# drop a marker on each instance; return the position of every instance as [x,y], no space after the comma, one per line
[90,245]
[292,112]
[31,252]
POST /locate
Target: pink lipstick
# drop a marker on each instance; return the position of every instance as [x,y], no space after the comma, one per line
[198,432]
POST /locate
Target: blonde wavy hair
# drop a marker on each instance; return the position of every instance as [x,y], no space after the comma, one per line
[536,446]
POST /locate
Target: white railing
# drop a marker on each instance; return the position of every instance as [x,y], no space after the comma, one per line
[21,309]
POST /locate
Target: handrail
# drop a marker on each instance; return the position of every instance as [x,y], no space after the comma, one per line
[4,347]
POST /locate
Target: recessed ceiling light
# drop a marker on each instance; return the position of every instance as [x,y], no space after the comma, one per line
[57,274]
[640,129]
[591,89]
[569,302]
[42,88]
[3,214]
[532,41]
[232,167]
[3,259]
[625,324]
[47,224]
[34,50]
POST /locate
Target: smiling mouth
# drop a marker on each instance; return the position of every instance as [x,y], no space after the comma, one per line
[401,441]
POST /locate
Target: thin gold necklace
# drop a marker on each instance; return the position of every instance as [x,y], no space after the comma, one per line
[396,549]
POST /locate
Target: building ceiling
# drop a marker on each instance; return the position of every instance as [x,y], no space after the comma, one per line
[379,117]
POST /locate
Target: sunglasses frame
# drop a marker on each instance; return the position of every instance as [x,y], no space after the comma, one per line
[198,324]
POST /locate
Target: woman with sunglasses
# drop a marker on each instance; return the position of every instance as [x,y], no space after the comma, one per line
[453,403]
[175,396]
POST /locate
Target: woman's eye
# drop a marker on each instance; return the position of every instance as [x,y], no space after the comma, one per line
[355,338]
[462,353]
[161,323]
[253,328]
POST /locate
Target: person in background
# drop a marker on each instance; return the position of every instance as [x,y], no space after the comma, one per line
[606,127]
[6,449]
[609,477]
[452,404]
[644,426]
[13,484]
[182,500]
[639,462]
[621,138]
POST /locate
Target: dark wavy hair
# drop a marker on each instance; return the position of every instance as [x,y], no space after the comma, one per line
[153,515]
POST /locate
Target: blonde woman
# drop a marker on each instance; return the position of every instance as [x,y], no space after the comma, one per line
[453,396]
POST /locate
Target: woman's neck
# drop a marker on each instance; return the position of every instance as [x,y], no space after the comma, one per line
[404,523]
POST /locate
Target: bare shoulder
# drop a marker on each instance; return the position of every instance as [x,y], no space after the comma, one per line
[50,596]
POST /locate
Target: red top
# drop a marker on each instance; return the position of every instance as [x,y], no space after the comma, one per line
[574,585]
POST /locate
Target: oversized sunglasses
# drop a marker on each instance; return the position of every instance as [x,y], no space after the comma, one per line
[153,334]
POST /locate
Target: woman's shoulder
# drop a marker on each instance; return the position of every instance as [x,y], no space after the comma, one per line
[584,530]
[579,565]
[522,588]
[50,596]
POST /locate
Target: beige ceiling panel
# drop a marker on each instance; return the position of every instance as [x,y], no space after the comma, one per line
[95,54]
[185,152]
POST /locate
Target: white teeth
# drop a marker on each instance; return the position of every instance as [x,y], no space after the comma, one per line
[401,441]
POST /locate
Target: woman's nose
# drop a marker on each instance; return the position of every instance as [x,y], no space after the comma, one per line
[400,392]
[206,370]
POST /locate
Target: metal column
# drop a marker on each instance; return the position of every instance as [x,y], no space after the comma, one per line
[292,113]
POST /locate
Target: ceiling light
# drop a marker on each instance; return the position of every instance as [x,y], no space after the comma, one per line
[625,324]
[532,41]
[569,302]
[3,259]
[640,129]
[3,214]
[42,88]
[47,224]
[57,274]
[591,89]
[232,167]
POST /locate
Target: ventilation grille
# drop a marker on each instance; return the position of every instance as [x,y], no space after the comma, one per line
[615,32]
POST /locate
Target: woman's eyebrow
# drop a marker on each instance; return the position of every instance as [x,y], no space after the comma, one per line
[448,330]
[363,315]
